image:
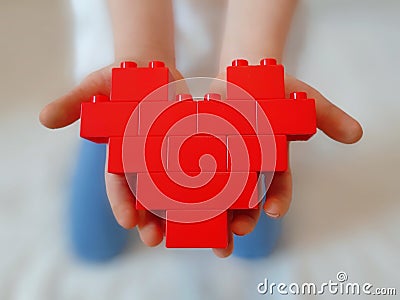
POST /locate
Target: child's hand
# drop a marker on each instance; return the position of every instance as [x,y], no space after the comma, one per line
[66,110]
[334,122]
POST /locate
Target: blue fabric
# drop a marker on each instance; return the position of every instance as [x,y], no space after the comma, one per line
[262,240]
[94,233]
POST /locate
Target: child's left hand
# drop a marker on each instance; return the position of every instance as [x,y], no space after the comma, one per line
[333,121]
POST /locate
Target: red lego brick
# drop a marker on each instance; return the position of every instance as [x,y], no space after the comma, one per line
[207,191]
[179,191]
[103,119]
[197,153]
[127,155]
[168,117]
[264,81]
[131,83]
[226,117]
[211,233]
[249,198]
[274,155]
[294,118]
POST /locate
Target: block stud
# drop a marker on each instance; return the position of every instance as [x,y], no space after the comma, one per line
[268,62]
[156,64]
[128,64]
[298,95]
[182,97]
[240,63]
[99,98]
[212,96]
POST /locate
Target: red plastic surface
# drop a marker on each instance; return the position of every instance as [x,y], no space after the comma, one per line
[102,120]
[132,83]
[132,160]
[197,153]
[264,81]
[230,140]
[157,191]
[249,198]
[273,158]
[160,116]
[294,118]
[227,118]
[212,233]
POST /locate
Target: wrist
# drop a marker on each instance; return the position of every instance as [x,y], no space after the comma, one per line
[144,55]
[261,32]
[143,31]
[253,57]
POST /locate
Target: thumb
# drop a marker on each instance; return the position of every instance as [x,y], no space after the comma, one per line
[66,109]
[333,121]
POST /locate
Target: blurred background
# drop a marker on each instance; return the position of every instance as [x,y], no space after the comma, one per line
[345,212]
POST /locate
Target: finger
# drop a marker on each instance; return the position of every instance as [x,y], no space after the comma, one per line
[66,109]
[279,195]
[225,252]
[333,121]
[218,86]
[244,221]
[121,200]
[150,228]
[180,84]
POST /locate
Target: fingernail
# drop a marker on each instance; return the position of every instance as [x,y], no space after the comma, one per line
[272,211]
[272,214]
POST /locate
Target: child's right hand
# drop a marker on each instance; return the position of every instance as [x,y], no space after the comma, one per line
[65,111]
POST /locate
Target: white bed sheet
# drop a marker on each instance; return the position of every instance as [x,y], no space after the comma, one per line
[345,211]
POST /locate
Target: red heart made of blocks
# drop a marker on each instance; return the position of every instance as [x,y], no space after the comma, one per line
[195,160]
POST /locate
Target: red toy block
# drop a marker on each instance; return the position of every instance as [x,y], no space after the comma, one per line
[226,117]
[101,120]
[127,155]
[197,153]
[167,118]
[249,199]
[273,158]
[131,83]
[196,160]
[212,233]
[294,118]
[207,191]
[265,81]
